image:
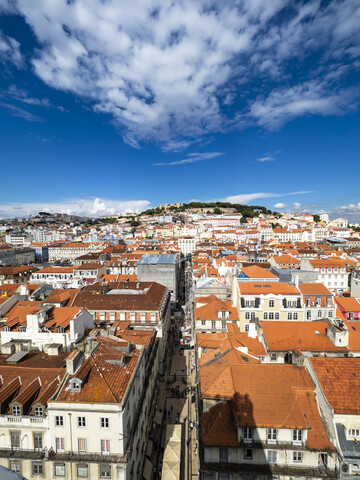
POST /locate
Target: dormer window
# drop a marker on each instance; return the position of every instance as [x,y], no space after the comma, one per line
[61,330]
[16,410]
[22,329]
[38,411]
[75,384]
[223,315]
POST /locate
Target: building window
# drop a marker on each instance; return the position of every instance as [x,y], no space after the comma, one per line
[82,470]
[82,445]
[16,410]
[223,315]
[213,324]
[105,471]
[105,447]
[37,468]
[271,303]
[22,329]
[265,316]
[247,303]
[38,411]
[308,315]
[271,315]
[223,324]
[59,421]
[104,422]
[297,436]
[297,457]
[132,316]
[247,315]
[252,315]
[81,422]
[247,434]
[277,316]
[61,330]
[323,459]
[15,440]
[272,456]
[273,357]
[38,443]
[122,315]
[295,316]
[153,317]
[330,314]
[203,322]
[247,326]
[354,432]
[248,454]
[59,444]
[289,316]
[59,469]
[15,465]
[223,454]
[102,316]
[319,314]
[143,317]
[271,435]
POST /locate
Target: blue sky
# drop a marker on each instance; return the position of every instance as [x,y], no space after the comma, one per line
[108,105]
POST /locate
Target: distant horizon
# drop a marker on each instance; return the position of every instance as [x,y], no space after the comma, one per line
[148,207]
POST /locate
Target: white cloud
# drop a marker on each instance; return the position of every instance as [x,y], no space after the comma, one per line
[268,158]
[21,113]
[192,158]
[279,205]
[23,96]
[91,207]
[245,198]
[10,50]
[313,97]
[168,72]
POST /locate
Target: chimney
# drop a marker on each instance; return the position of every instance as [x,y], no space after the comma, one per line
[73,361]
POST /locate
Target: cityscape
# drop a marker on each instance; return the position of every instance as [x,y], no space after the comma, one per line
[179,240]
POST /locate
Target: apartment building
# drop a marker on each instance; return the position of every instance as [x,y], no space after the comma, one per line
[10,255]
[21,274]
[212,314]
[318,301]
[100,418]
[266,301]
[332,273]
[146,305]
[32,325]
[275,431]
[187,245]
[29,380]
[337,382]
[58,277]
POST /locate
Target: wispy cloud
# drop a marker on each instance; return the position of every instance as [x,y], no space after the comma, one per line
[21,113]
[172,72]
[192,158]
[10,51]
[249,197]
[23,96]
[266,159]
[92,207]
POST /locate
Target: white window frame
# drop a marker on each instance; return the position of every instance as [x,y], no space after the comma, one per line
[59,444]
[81,422]
[59,421]
[298,457]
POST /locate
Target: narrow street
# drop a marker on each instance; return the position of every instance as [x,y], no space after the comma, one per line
[176,401]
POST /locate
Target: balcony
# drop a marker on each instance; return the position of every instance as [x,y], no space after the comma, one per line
[23,421]
[96,457]
[269,469]
[21,453]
